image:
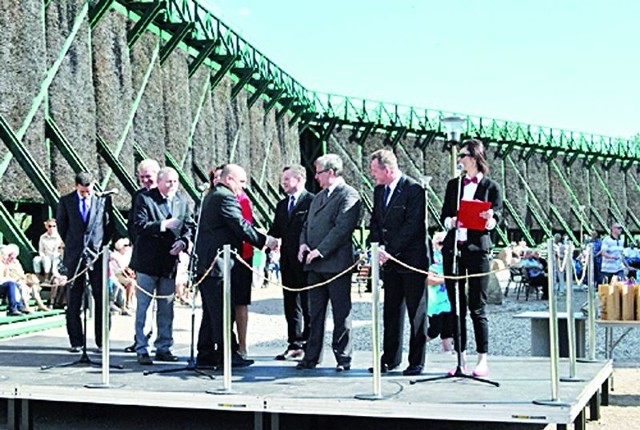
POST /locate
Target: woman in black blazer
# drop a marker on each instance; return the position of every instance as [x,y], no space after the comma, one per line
[474,248]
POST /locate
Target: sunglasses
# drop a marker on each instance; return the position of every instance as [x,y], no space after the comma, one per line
[464,154]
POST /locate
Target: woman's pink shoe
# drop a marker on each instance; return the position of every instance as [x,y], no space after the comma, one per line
[481,370]
[453,371]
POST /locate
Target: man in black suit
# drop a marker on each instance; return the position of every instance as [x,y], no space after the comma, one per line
[221,223]
[327,250]
[397,223]
[291,213]
[474,248]
[85,225]
[163,226]
[148,177]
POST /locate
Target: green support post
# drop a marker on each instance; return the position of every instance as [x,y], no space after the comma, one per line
[150,11]
[179,31]
[97,11]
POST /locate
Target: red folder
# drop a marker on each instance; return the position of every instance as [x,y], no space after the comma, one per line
[469,214]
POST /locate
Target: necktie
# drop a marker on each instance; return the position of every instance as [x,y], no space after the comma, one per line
[385,196]
[466,181]
[292,203]
[83,209]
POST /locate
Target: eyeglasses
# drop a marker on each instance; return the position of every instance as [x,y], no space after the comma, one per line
[464,154]
[322,171]
[127,244]
[617,228]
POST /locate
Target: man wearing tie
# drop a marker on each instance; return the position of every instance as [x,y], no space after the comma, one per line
[85,225]
[397,223]
[291,213]
[327,250]
[474,249]
[163,226]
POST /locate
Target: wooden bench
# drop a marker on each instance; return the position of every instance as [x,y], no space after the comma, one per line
[540,333]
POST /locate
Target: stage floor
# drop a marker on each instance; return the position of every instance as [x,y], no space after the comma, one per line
[270,388]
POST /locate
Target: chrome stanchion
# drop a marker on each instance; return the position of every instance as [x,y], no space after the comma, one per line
[375,326]
[553,335]
[105,325]
[591,307]
[226,324]
[571,327]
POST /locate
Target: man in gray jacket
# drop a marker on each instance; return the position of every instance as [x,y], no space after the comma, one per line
[327,250]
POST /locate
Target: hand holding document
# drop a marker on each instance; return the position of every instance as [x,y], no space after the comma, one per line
[470,214]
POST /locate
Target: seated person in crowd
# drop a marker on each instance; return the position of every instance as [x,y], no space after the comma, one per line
[631,256]
[49,255]
[19,288]
[535,271]
[120,273]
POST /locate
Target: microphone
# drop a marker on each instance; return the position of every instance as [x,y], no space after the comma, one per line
[107,192]
[204,186]
[459,169]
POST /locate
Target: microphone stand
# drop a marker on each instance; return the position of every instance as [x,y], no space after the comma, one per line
[459,372]
[193,260]
[85,258]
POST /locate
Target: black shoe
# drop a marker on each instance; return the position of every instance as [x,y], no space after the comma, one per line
[165,356]
[238,361]
[343,367]
[413,370]
[384,368]
[144,359]
[14,314]
[75,349]
[130,348]
[306,364]
[205,364]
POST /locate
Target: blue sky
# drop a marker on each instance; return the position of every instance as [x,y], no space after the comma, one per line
[559,63]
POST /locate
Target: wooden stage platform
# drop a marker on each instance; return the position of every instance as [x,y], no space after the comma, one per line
[271,389]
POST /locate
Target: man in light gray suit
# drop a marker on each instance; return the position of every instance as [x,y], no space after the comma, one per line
[327,250]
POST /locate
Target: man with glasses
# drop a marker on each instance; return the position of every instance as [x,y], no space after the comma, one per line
[327,251]
[398,224]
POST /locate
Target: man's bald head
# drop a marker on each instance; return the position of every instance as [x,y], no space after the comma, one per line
[234,177]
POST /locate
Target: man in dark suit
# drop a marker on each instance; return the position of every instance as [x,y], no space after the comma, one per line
[397,223]
[163,226]
[327,250]
[148,177]
[221,223]
[291,213]
[85,225]
[474,248]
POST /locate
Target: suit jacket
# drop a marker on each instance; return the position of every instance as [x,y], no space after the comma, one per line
[78,235]
[400,226]
[487,191]
[288,228]
[152,246]
[131,230]
[221,223]
[329,228]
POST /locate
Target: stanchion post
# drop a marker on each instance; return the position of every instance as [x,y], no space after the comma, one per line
[375,326]
[553,334]
[106,309]
[591,307]
[226,323]
[571,327]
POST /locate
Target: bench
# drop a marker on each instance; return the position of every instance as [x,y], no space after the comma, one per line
[540,333]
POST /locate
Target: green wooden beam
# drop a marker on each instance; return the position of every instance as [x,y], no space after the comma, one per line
[263,194]
[98,10]
[226,62]
[260,90]
[150,12]
[244,74]
[207,49]
[28,164]
[275,98]
[116,166]
[181,31]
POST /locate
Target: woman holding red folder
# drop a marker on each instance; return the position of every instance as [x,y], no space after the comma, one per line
[474,245]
